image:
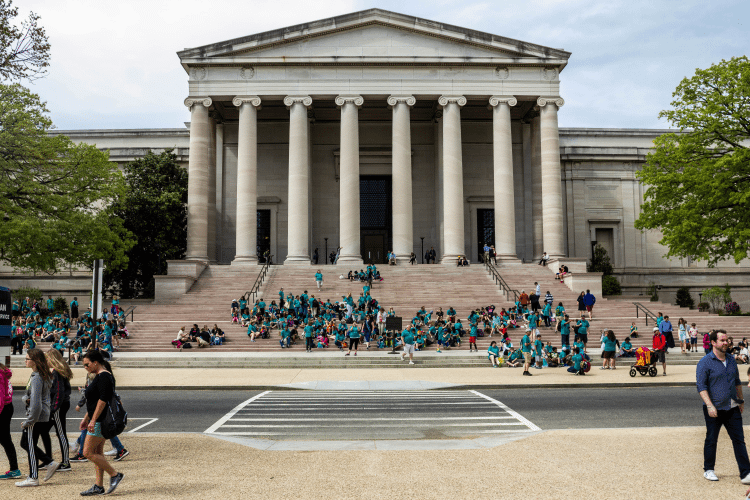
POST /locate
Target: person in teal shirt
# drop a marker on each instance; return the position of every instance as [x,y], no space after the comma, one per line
[526,349]
[319,279]
[353,339]
[533,322]
[576,360]
[583,330]
[493,354]
[565,330]
[50,304]
[407,339]
[472,337]
[547,314]
[309,336]
[626,349]
[538,346]
[285,340]
[610,345]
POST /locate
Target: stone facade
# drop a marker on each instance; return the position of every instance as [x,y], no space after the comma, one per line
[289,121]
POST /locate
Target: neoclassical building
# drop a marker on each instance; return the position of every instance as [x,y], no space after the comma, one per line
[377,131]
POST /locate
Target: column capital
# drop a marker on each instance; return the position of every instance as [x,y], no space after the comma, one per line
[496,100]
[190,101]
[409,100]
[357,100]
[444,100]
[253,100]
[305,100]
[543,101]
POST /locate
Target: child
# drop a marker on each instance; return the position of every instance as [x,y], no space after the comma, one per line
[633,330]
[693,332]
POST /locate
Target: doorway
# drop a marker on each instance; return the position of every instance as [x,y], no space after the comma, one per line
[606,238]
[375,217]
[485,230]
[263,234]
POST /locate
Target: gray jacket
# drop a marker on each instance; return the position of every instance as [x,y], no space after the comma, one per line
[36,400]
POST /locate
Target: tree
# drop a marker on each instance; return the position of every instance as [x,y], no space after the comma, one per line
[600,261]
[683,297]
[154,209]
[698,180]
[52,191]
[717,297]
[24,48]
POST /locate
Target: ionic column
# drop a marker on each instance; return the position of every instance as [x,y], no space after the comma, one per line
[211,229]
[298,251]
[554,243]
[453,179]
[403,221]
[247,180]
[504,187]
[198,178]
[536,191]
[349,179]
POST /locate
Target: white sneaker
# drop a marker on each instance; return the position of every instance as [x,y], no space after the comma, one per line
[111,453]
[51,469]
[402,357]
[746,479]
[29,481]
[412,362]
[74,450]
[711,476]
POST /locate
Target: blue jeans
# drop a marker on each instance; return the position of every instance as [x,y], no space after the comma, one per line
[732,421]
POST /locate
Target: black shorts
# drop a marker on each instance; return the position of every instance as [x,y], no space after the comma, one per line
[661,356]
[584,338]
[608,354]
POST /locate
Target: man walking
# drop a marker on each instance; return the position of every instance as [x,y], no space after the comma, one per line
[718,382]
[589,300]
[665,327]
[407,339]
[659,345]
[526,350]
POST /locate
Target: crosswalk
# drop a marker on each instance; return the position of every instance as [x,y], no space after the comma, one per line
[370,415]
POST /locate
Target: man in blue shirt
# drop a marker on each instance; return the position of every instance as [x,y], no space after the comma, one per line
[665,328]
[589,300]
[718,382]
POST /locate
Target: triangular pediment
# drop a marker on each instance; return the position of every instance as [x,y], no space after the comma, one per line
[375,35]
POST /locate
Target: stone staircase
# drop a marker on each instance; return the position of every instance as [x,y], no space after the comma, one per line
[405,288]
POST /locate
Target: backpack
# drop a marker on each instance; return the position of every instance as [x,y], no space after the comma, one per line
[116,418]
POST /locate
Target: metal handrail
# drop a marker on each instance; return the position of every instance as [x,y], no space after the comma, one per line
[130,311]
[646,312]
[253,293]
[499,280]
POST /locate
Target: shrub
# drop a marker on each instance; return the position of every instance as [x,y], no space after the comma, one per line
[25,291]
[717,297]
[652,292]
[704,306]
[610,286]
[600,262]
[60,305]
[732,308]
[684,299]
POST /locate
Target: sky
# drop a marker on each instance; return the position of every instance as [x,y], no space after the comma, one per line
[114,64]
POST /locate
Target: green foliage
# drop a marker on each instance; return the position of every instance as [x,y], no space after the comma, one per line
[610,286]
[60,305]
[21,293]
[717,297]
[600,261]
[683,298]
[51,191]
[154,209]
[24,48]
[698,180]
[653,292]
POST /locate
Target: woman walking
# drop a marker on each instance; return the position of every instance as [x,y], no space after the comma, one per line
[59,406]
[610,344]
[36,400]
[6,414]
[98,395]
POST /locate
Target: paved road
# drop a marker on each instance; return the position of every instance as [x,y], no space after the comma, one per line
[442,414]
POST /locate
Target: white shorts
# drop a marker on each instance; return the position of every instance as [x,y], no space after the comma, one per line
[408,348]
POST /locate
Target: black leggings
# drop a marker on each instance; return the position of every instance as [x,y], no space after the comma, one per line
[57,420]
[309,342]
[353,343]
[5,439]
[29,440]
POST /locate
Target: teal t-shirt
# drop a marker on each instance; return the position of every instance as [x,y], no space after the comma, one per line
[408,336]
[627,345]
[526,344]
[583,327]
[353,333]
[609,345]
[318,277]
[308,331]
[538,345]
[577,361]
[495,350]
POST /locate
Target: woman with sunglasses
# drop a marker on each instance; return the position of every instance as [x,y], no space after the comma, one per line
[37,405]
[98,395]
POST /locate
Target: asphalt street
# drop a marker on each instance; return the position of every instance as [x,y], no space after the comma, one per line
[437,414]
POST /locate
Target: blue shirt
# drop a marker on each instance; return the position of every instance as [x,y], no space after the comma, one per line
[665,326]
[720,381]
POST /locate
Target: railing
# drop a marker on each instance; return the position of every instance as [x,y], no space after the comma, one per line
[130,310]
[253,293]
[500,281]
[646,312]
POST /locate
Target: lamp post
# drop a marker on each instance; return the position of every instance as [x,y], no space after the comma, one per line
[422,238]
[326,254]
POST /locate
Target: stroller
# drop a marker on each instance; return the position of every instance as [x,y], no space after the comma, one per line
[645,362]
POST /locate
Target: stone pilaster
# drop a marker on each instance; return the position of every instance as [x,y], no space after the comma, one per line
[349,180]
[536,190]
[211,226]
[403,218]
[453,179]
[554,243]
[198,165]
[504,187]
[247,180]
[299,173]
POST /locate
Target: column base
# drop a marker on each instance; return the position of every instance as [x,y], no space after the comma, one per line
[350,259]
[197,259]
[450,259]
[244,261]
[298,260]
[508,259]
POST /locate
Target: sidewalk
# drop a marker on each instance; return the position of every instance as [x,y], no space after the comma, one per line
[603,464]
[408,377]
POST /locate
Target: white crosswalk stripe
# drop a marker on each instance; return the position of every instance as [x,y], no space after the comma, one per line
[364,415]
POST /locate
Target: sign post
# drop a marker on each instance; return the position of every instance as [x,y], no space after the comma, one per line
[6,323]
[96,291]
[393,328]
